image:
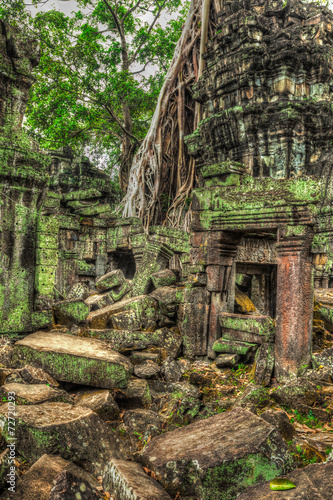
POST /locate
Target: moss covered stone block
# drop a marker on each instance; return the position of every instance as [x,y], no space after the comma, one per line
[218,457]
[110,280]
[125,340]
[138,307]
[100,401]
[69,312]
[163,278]
[233,347]
[258,328]
[31,394]
[311,482]
[73,432]
[68,358]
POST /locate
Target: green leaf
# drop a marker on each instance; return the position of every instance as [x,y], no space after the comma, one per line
[280,484]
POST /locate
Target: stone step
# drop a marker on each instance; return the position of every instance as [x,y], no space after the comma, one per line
[68,358]
[224,453]
[233,347]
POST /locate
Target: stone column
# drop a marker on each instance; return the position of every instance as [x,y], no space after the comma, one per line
[294,301]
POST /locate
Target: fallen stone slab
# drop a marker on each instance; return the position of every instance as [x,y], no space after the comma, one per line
[73,359]
[71,312]
[33,394]
[73,432]
[279,419]
[225,453]
[139,357]
[127,480]
[100,401]
[314,482]
[125,340]
[37,482]
[110,280]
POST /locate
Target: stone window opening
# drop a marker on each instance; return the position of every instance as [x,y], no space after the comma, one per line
[123,260]
[255,289]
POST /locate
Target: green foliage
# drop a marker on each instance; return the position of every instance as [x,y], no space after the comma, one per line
[92,88]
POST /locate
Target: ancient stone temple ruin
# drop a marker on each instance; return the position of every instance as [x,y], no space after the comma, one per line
[141,356]
[264,212]
[241,285]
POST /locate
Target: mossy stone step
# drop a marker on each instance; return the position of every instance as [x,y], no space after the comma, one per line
[233,347]
[68,358]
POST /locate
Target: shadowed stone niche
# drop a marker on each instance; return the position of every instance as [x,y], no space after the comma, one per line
[262,215]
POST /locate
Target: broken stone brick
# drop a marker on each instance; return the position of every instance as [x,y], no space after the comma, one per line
[155,258]
[33,375]
[148,369]
[100,401]
[111,280]
[225,360]
[217,454]
[171,370]
[30,394]
[139,357]
[73,432]
[71,312]
[37,482]
[163,278]
[99,300]
[279,419]
[253,394]
[73,359]
[128,480]
[68,485]
[254,329]
[136,395]
[297,392]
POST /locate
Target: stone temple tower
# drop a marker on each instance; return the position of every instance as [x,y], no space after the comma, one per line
[263,153]
[23,179]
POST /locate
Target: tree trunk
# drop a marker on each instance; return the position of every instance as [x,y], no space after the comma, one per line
[162,175]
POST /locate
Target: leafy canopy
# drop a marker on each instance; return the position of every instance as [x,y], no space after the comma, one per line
[100,72]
